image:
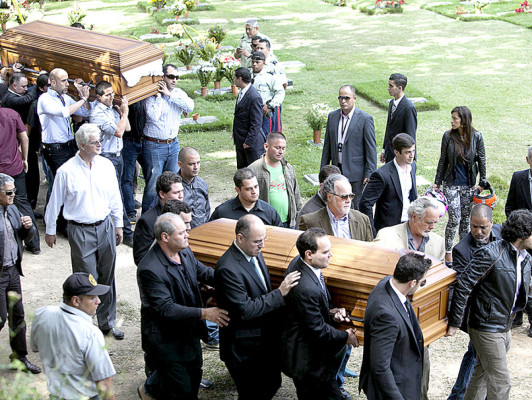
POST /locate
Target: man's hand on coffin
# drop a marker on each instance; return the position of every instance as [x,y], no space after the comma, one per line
[124,106]
[163,88]
[216,315]
[351,338]
[290,280]
[17,67]
[451,330]
[340,315]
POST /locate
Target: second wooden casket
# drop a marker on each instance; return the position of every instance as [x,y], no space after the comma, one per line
[87,55]
[354,270]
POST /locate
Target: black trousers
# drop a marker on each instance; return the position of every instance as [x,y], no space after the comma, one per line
[244,157]
[23,205]
[12,310]
[33,178]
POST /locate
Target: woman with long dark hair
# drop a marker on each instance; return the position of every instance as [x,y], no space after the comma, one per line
[462,158]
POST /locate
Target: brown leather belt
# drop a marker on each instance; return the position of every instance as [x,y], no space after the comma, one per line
[166,141]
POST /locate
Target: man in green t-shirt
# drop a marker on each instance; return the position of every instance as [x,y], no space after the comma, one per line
[277,180]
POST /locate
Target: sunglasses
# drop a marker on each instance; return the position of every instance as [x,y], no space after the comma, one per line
[9,192]
[346,98]
[344,197]
[172,77]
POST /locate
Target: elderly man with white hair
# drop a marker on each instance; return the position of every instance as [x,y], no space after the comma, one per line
[244,49]
[87,188]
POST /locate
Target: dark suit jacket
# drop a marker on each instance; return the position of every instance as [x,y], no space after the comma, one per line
[21,233]
[393,348]
[359,225]
[247,124]
[20,104]
[384,189]
[253,332]
[314,204]
[171,324]
[143,237]
[519,193]
[310,342]
[404,120]
[359,153]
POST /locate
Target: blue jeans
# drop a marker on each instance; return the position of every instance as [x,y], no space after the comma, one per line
[214,333]
[340,374]
[130,153]
[158,157]
[119,167]
[464,375]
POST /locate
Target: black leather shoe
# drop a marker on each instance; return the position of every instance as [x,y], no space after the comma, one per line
[128,241]
[118,335]
[33,250]
[138,204]
[141,391]
[205,384]
[28,366]
[517,324]
[345,394]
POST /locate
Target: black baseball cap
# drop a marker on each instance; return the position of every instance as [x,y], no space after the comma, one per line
[258,55]
[82,283]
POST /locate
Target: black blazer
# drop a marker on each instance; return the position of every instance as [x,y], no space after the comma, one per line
[171,324]
[384,190]
[14,217]
[254,327]
[310,342]
[404,120]
[519,193]
[359,153]
[392,363]
[247,123]
[20,104]
[143,237]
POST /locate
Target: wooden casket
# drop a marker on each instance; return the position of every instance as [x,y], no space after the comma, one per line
[87,55]
[354,270]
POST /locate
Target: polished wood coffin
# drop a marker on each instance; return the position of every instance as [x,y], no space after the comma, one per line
[354,270]
[83,54]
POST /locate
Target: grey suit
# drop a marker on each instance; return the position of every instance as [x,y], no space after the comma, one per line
[359,151]
[359,225]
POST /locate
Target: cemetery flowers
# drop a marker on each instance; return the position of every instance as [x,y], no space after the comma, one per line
[217,33]
[525,8]
[178,8]
[175,30]
[317,116]
[185,53]
[76,14]
[206,73]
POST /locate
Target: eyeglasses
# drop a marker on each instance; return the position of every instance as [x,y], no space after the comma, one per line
[9,192]
[344,197]
[48,85]
[172,77]
[342,98]
[96,142]
[259,242]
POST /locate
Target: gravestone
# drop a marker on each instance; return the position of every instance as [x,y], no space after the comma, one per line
[149,36]
[213,21]
[223,90]
[201,120]
[169,21]
[293,66]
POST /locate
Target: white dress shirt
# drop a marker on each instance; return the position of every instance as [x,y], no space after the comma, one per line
[163,114]
[402,297]
[55,117]
[405,179]
[88,194]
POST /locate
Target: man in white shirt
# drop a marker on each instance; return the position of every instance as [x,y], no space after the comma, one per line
[73,352]
[112,122]
[87,187]
[392,187]
[160,147]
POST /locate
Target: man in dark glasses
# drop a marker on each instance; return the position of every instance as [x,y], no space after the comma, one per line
[160,147]
[13,229]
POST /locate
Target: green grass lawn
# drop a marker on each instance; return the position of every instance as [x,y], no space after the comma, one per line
[481,64]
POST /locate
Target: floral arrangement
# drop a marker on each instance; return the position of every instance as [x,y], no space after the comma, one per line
[460,10]
[155,31]
[185,52]
[76,14]
[178,8]
[159,4]
[218,63]
[525,8]
[341,3]
[389,4]
[176,30]
[480,5]
[5,15]
[206,49]
[217,33]
[205,73]
[21,17]
[317,116]
[190,4]
[230,64]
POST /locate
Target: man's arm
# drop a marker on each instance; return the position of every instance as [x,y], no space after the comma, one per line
[326,152]
[370,148]
[383,333]
[24,144]
[14,100]
[181,99]
[511,199]
[371,194]
[105,389]
[57,199]
[143,238]
[411,121]
[255,120]
[279,93]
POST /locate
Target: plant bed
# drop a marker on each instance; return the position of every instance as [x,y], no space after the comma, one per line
[376,92]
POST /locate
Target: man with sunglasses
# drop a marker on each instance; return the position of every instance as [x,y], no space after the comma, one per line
[250,344]
[14,227]
[392,364]
[350,142]
[160,147]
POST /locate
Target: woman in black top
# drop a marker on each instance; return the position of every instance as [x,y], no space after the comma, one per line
[462,158]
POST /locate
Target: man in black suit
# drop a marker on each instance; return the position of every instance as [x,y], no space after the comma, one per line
[519,197]
[250,344]
[172,313]
[312,348]
[18,97]
[169,186]
[392,187]
[247,124]
[350,141]
[402,116]
[392,364]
